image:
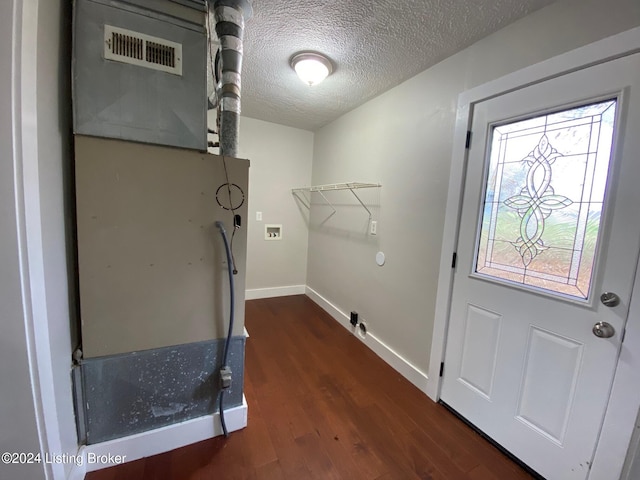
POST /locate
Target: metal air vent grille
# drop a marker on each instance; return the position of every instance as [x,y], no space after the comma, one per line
[127,46]
[142,50]
[161,54]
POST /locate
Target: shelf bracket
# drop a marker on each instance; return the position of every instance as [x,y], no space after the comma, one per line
[361,203]
[328,203]
[303,198]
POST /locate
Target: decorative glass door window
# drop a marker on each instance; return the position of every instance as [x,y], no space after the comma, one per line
[544,199]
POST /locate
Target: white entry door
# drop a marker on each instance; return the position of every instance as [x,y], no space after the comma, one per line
[547,249]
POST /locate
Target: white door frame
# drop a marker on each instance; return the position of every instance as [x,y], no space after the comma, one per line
[624,402]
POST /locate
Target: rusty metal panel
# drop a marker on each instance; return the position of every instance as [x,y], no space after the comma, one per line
[134,392]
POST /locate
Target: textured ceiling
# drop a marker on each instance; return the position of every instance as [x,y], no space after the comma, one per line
[373,44]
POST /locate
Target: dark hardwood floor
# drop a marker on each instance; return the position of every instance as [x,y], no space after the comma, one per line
[323,406]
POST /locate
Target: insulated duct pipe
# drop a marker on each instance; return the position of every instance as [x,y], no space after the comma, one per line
[230,16]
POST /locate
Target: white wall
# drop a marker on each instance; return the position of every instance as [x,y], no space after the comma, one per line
[280,160]
[403,139]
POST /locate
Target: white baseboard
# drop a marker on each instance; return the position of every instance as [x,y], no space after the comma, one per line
[157,441]
[402,366]
[257,293]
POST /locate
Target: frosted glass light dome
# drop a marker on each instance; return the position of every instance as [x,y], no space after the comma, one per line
[312,68]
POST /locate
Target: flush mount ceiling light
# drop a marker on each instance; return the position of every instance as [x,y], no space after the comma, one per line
[312,68]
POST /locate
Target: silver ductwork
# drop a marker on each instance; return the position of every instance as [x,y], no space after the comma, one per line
[230,16]
[139,71]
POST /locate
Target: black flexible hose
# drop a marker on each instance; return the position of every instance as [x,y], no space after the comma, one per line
[225,353]
[222,422]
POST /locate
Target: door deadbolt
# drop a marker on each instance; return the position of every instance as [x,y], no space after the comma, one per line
[609,299]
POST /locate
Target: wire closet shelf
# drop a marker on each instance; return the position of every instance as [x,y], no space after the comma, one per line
[351,186]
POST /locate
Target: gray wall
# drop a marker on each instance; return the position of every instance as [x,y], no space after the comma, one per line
[18,429]
[631,470]
[403,139]
[40,169]
[280,160]
[415,121]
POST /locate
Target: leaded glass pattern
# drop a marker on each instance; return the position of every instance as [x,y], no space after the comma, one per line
[544,199]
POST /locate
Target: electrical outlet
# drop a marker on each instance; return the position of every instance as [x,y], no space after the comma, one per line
[373,228]
[354,318]
[363,329]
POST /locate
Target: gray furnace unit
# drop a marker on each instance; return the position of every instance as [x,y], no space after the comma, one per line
[152,271]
